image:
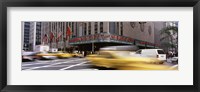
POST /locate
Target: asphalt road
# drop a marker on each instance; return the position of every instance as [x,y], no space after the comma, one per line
[58,64]
[63,64]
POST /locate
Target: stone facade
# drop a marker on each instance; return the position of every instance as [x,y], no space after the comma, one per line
[142,31]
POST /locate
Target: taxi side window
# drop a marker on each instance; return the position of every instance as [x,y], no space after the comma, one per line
[138,52]
[109,56]
[106,55]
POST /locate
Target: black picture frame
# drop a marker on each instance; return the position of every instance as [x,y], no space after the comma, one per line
[100,3]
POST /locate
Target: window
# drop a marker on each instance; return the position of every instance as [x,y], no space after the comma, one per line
[85,28]
[161,52]
[96,27]
[89,28]
[72,29]
[138,52]
[101,27]
[69,23]
[112,27]
[117,28]
[63,26]
[26,26]
[121,28]
[53,26]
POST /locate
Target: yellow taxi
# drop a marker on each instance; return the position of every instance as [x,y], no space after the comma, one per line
[77,55]
[63,55]
[46,55]
[123,60]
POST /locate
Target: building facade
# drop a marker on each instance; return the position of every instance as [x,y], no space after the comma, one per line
[35,35]
[25,35]
[38,33]
[31,32]
[91,36]
[158,26]
[100,34]
[51,31]
[32,36]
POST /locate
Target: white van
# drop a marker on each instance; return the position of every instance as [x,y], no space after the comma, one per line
[154,53]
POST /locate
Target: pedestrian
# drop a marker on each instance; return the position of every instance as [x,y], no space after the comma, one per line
[85,53]
[170,54]
[176,54]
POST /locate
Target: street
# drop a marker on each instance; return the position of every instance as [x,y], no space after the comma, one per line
[63,64]
[58,64]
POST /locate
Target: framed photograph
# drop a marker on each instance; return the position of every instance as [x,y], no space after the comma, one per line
[87,45]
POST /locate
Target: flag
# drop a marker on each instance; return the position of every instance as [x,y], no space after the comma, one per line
[68,32]
[59,34]
[51,36]
[57,40]
[45,38]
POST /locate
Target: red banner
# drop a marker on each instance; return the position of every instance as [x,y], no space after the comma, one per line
[102,37]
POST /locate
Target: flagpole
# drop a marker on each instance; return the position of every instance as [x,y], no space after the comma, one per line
[49,38]
[64,44]
[61,39]
[50,41]
[68,32]
[57,35]
[64,39]
[68,36]
[43,40]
